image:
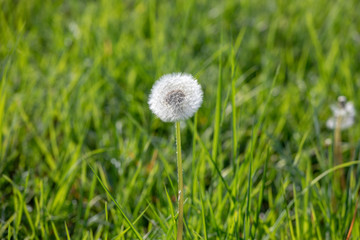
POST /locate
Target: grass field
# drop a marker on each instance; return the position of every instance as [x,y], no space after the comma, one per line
[258,159]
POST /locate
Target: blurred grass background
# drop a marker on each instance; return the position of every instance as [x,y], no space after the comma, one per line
[75,77]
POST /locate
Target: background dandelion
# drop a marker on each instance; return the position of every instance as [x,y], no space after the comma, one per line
[343,118]
[343,113]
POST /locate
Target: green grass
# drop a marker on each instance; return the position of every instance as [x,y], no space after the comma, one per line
[82,156]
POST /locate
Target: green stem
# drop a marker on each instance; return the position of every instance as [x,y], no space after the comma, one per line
[338,151]
[180,183]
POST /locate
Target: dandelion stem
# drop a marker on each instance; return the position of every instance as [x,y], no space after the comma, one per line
[180,182]
[338,150]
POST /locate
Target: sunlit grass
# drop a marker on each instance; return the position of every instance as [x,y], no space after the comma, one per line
[74,83]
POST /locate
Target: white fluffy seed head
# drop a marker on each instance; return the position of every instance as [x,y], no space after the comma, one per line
[175,97]
[343,110]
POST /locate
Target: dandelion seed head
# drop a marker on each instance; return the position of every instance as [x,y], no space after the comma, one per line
[343,110]
[175,97]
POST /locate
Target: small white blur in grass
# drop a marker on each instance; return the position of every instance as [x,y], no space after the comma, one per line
[345,111]
[175,97]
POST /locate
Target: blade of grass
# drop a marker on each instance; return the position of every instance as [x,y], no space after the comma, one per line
[217,109]
[193,163]
[171,210]
[353,220]
[55,230]
[312,183]
[136,220]
[203,217]
[117,204]
[315,224]
[234,58]
[107,221]
[164,226]
[324,174]
[290,224]
[296,206]
[216,168]
[263,181]
[246,216]
[7,224]
[67,232]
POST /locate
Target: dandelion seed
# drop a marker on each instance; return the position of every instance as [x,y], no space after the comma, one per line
[343,112]
[175,97]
